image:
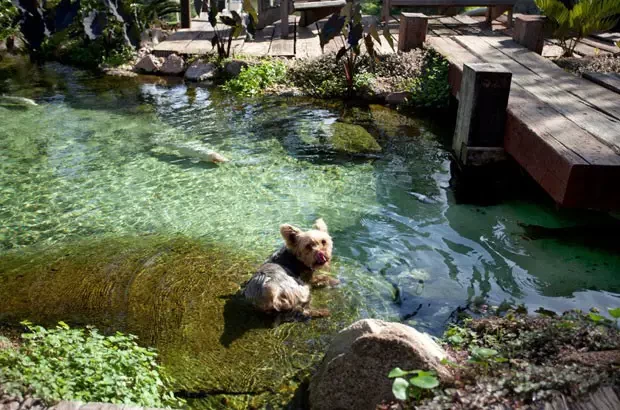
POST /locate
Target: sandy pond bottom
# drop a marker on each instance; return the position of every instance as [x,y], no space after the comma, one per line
[104,224]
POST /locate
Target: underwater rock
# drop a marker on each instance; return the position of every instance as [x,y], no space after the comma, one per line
[174,65]
[392,122]
[148,64]
[234,67]
[200,71]
[353,139]
[353,373]
[177,295]
[396,98]
[195,151]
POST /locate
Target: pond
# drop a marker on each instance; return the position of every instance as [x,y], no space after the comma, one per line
[104,222]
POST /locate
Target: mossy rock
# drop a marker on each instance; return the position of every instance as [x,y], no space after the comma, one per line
[352,138]
[177,295]
[393,123]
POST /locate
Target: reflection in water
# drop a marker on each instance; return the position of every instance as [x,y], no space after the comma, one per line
[85,164]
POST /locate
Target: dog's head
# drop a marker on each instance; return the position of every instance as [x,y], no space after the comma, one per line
[313,248]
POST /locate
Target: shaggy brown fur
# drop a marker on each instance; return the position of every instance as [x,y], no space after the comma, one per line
[282,283]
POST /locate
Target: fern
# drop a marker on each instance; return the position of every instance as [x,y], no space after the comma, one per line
[585,18]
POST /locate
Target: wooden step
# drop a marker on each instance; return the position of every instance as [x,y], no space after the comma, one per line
[310,5]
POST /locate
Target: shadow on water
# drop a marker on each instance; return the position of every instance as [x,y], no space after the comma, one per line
[240,317]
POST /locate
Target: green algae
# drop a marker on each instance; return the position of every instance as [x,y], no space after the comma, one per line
[177,295]
[352,138]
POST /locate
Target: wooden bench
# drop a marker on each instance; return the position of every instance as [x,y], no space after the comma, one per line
[311,11]
[495,7]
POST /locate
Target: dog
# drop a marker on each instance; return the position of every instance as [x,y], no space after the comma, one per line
[282,284]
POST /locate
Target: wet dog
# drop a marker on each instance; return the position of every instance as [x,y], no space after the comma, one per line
[282,284]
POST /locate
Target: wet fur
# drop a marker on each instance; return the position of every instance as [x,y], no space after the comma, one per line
[282,283]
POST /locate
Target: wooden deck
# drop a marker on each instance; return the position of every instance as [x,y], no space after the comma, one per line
[562,129]
[302,42]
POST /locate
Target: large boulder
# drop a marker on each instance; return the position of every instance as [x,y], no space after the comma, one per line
[174,65]
[354,371]
[148,64]
[234,67]
[200,71]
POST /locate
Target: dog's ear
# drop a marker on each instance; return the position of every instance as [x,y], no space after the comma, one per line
[290,234]
[320,225]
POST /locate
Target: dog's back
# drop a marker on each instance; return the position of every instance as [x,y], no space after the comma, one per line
[272,288]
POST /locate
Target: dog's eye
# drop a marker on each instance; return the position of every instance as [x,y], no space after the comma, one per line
[324,242]
[309,247]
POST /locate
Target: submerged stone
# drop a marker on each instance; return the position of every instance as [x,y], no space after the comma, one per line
[352,139]
[176,295]
[393,123]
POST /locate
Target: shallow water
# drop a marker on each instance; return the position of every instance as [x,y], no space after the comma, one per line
[88,163]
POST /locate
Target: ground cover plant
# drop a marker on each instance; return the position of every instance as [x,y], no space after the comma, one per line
[518,360]
[82,364]
[254,79]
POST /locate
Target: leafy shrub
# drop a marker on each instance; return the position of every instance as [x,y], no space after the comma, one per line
[146,12]
[430,89]
[76,364]
[8,20]
[349,27]
[586,17]
[255,78]
[371,7]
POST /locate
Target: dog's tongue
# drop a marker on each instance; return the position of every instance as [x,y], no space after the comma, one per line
[320,258]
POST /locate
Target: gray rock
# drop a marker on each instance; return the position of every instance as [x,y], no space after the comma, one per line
[353,373]
[234,67]
[148,64]
[174,65]
[200,71]
[118,72]
[396,98]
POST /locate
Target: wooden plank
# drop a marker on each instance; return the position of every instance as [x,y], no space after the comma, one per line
[600,98]
[456,56]
[436,27]
[601,45]
[609,37]
[603,127]
[307,5]
[201,44]
[259,46]
[461,27]
[283,47]
[451,3]
[177,41]
[307,43]
[611,81]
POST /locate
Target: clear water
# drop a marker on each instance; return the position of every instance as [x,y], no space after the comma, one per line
[88,162]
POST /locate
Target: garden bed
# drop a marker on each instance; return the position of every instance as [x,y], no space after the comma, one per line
[520,361]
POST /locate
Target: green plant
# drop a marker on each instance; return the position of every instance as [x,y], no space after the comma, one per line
[421,382]
[9,28]
[222,40]
[371,7]
[350,29]
[76,364]
[254,79]
[431,88]
[148,11]
[586,17]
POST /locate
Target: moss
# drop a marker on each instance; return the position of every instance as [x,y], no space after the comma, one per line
[176,295]
[352,138]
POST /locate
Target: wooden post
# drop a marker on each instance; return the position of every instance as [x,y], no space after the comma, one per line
[529,31]
[284,11]
[479,134]
[385,13]
[412,31]
[494,12]
[186,14]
